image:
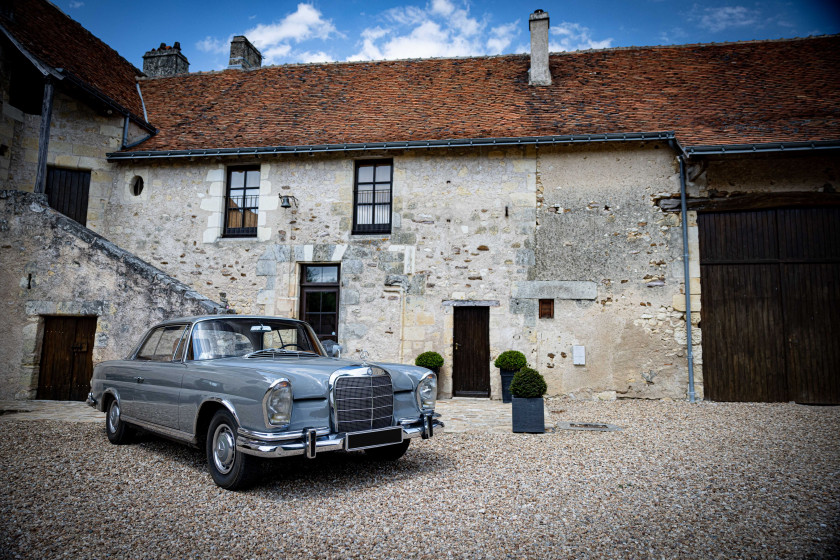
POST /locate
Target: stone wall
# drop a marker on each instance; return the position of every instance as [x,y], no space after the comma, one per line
[80,136]
[601,229]
[463,229]
[53,266]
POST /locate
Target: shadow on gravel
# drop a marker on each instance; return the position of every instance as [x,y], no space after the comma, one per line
[326,474]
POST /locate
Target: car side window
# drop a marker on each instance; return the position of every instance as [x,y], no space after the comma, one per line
[162,344]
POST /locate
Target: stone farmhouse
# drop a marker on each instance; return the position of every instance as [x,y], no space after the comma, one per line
[651,222]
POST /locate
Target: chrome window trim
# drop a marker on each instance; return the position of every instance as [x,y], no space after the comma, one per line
[271,387]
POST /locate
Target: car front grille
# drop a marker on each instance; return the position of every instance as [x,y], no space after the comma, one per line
[363,402]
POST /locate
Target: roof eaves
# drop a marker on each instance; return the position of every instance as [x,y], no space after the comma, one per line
[90,90]
[44,69]
[403,145]
[765,147]
[61,74]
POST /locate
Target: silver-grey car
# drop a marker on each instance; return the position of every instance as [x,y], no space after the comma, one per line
[248,386]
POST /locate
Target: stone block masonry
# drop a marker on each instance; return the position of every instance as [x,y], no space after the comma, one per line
[54,266]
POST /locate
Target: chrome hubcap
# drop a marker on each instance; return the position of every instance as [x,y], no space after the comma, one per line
[224,448]
[114,417]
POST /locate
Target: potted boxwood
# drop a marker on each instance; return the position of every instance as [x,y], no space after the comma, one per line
[430,360]
[509,362]
[528,409]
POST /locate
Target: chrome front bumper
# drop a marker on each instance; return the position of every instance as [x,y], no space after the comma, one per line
[312,441]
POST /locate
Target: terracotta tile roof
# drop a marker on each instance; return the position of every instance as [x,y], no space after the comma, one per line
[59,42]
[735,93]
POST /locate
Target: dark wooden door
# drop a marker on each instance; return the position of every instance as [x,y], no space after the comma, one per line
[66,358]
[770,301]
[471,352]
[67,191]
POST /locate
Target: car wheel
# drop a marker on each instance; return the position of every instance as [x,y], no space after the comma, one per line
[388,452]
[230,468]
[118,431]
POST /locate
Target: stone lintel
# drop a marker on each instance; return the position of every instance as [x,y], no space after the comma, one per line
[471,303]
[555,289]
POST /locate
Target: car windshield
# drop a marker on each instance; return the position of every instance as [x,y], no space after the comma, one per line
[231,337]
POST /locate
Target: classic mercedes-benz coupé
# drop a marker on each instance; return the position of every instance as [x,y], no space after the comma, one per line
[244,386]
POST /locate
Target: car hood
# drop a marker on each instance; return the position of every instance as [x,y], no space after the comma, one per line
[310,376]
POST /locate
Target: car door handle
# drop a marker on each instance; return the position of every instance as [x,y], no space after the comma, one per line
[139,379]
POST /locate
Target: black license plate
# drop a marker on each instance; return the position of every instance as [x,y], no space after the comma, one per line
[362,440]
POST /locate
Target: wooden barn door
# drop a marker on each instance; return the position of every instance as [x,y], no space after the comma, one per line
[471,352]
[66,358]
[770,300]
[67,191]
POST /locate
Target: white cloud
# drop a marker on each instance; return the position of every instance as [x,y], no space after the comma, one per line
[275,39]
[444,28]
[213,45]
[75,5]
[442,7]
[726,17]
[501,37]
[569,36]
[319,56]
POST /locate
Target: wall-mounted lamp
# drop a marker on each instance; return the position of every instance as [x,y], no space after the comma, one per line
[286,201]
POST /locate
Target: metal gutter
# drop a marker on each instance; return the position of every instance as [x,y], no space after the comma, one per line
[416,144]
[769,147]
[684,220]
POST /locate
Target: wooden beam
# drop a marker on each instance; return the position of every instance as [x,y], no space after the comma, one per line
[44,136]
[753,201]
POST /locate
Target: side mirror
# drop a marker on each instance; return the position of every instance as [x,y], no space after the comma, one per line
[336,351]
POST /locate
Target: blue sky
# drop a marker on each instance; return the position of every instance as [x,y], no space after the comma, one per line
[339,30]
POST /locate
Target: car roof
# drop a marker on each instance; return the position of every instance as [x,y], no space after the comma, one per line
[199,318]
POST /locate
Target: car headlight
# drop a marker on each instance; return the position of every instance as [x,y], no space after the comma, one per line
[427,392]
[278,403]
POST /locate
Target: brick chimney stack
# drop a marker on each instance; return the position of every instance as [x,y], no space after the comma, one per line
[244,55]
[165,61]
[539,74]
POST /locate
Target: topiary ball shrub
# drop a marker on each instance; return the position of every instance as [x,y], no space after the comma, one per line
[528,384]
[511,360]
[429,360]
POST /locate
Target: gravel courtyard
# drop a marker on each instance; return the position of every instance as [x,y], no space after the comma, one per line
[691,481]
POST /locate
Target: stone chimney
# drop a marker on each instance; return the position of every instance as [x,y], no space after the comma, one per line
[244,55]
[539,74]
[165,61]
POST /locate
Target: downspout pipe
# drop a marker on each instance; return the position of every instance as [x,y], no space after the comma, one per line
[691,393]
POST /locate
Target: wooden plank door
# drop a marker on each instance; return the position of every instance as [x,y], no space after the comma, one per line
[66,358]
[770,299]
[809,253]
[67,191]
[471,352]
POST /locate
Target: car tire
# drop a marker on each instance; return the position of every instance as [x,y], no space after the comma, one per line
[118,432]
[388,452]
[230,468]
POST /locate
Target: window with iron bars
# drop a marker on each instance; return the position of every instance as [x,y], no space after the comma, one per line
[242,201]
[372,196]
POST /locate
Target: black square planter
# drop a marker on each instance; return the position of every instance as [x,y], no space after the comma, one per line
[528,415]
[507,377]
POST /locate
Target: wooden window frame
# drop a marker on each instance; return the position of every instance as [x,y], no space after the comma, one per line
[374,228]
[254,197]
[546,308]
[321,287]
